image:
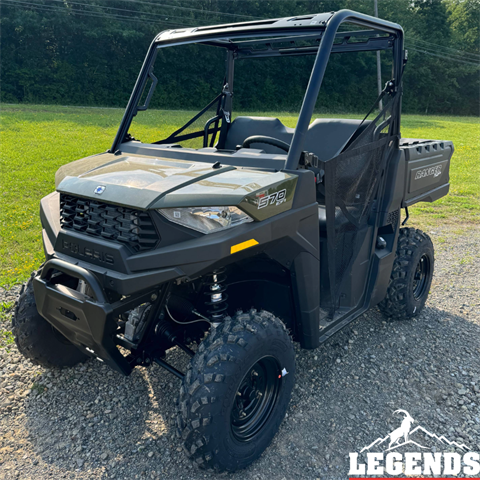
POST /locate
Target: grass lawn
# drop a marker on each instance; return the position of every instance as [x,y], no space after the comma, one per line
[35,140]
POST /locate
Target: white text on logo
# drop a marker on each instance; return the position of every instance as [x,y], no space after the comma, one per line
[274,199]
[436,170]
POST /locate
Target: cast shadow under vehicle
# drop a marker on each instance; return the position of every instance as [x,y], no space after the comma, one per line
[94,419]
[346,392]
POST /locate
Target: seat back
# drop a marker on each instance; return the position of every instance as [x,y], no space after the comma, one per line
[244,127]
[325,137]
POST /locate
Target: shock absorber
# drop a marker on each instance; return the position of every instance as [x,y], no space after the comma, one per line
[217,298]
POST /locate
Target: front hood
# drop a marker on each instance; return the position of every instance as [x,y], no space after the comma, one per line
[145,182]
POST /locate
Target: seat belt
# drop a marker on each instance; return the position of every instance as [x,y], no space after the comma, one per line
[388,89]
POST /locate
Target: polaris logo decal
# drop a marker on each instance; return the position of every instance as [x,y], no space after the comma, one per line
[436,170]
[100,189]
[276,198]
[88,253]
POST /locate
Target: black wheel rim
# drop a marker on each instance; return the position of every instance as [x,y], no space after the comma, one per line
[255,399]
[421,276]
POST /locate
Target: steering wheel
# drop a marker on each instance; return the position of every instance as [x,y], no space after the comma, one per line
[268,140]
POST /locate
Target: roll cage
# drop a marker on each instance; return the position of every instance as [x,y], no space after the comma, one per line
[305,35]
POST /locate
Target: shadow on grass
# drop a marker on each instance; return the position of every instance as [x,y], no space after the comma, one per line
[418,122]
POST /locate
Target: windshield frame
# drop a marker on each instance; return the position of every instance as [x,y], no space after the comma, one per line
[325,25]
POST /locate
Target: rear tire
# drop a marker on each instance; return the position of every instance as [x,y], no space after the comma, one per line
[236,391]
[411,277]
[36,339]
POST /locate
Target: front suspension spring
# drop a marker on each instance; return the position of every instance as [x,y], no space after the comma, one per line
[217,298]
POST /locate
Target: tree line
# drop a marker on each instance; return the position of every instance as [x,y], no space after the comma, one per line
[89,52]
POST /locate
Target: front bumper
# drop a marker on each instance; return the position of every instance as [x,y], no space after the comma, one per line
[88,322]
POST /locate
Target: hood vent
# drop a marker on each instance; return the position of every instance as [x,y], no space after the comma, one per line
[133,228]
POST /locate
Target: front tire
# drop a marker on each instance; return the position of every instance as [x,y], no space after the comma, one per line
[36,339]
[236,391]
[411,276]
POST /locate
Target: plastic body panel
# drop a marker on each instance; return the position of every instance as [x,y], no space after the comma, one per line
[389,224]
[147,182]
[290,238]
[427,170]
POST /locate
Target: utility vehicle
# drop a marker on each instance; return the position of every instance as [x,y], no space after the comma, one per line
[258,236]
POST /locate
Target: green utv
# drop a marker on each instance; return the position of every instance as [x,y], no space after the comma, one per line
[234,237]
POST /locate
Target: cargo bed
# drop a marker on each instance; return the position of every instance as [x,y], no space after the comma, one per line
[427,169]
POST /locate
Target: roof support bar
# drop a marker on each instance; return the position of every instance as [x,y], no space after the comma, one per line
[320,66]
[371,44]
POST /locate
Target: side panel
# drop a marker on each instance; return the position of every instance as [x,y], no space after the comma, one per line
[427,170]
[381,270]
[389,224]
[275,199]
[394,187]
[303,263]
[306,288]
[306,267]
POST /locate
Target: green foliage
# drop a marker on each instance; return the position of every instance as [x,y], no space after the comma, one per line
[464,20]
[6,336]
[89,53]
[5,307]
[38,388]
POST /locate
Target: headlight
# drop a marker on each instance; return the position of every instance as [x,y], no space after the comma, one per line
[206,219]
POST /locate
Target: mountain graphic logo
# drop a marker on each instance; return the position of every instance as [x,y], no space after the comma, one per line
[402,436]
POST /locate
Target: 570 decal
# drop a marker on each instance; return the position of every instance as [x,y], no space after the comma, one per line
[273,199]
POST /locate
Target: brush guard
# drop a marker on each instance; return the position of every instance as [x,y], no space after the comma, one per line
[89,322]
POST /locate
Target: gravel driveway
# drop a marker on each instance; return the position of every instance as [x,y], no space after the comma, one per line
[90,422]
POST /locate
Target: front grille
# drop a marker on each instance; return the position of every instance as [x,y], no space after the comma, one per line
[127,226]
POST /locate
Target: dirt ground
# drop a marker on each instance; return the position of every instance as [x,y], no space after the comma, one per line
[92,423]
